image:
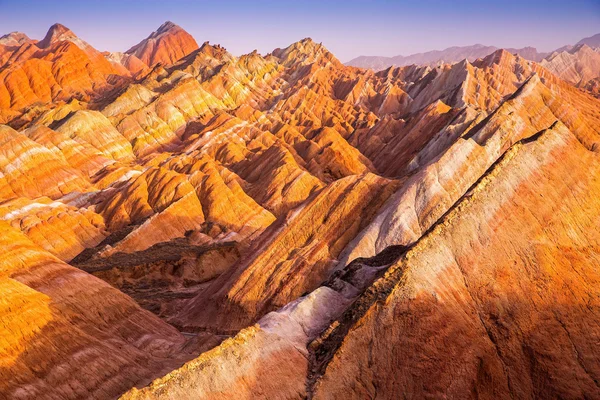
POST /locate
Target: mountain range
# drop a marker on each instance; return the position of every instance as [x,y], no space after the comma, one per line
[180,222]
[578,64]
[456,54]
[449,55]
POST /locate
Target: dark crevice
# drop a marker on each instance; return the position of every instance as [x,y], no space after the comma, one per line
[165,251]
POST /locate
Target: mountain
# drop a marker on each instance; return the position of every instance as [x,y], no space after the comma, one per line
[592,41]
[580,65]
[455,54]
[13,39]
[58,33]
[60,68]
[127,63]
[285,226]
[408,278]
[166,45]
[449,55]
[576,64]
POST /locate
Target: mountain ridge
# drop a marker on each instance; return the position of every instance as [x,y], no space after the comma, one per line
[457,53]
[449,55]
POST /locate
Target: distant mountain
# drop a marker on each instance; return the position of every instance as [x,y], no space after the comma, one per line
[592,41]
[579,65]
[449,55]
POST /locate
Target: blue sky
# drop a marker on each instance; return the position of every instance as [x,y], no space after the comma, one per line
[348,28]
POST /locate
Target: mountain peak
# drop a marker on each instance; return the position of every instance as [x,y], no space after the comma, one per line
[500,56]
[306,45]
[58,28]
[14,39]
[592,41]
[57,32]
[166,45]
[304,51]
[167,26]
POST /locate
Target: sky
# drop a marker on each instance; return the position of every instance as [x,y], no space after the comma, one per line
[347,28]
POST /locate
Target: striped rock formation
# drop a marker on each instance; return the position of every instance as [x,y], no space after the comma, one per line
[292,227]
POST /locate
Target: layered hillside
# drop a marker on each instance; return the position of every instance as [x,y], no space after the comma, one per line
[292,227]
[67,334]
[40,75]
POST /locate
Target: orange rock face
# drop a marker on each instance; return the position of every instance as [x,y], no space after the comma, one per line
[293,227]
[166,45]
[57,319]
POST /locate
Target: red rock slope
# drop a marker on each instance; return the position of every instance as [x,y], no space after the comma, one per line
[166,45]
